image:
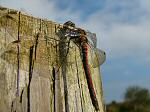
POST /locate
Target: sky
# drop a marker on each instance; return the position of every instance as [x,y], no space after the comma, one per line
[123,32]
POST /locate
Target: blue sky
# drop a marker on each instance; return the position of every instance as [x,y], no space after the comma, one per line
[122,28]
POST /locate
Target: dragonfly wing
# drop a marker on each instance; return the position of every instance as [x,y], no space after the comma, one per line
[92,40]
[98,57]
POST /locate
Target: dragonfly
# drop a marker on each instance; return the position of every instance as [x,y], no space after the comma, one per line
[85,39]
[98,55]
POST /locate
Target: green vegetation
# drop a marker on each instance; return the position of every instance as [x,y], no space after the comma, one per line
[136,99]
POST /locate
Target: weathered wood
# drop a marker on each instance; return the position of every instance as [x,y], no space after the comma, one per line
[39,71]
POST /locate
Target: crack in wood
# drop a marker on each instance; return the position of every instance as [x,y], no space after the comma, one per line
[53,73]
[21,96]
[12,106]
[37,39]
[31,64]
[18,57]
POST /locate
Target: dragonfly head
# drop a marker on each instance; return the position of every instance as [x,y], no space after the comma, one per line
[77,34]
[69,23]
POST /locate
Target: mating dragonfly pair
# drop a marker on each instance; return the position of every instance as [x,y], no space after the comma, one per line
[84,39]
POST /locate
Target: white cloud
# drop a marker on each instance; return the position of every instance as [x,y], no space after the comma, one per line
[145,4]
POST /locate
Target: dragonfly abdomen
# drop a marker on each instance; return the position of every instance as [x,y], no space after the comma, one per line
[87,70]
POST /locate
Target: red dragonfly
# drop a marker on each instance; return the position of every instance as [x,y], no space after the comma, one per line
[84,39]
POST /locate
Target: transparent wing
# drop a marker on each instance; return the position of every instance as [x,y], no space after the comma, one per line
[92,40]
[98,57]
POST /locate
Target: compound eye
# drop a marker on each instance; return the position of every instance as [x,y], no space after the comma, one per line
[69,23]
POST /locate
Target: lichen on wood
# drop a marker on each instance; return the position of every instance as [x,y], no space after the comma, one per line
[51,75]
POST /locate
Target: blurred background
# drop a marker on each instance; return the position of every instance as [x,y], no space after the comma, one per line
[122,28]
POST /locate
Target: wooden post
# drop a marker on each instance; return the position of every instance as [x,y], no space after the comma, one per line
[58,82]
